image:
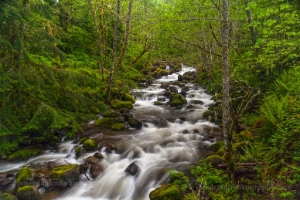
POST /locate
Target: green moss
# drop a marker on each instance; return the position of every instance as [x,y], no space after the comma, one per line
[177,99]
[166,192]
[58,173]
[135,123]
[157,103]
[221,151]
[6,196]
[246,135]
[190,196]
[90,145]
[198,102]
[109,114]
[119,126]
[24,174]
[217,145]
[105,122]
[214,159]
[175,103]
[128,97]
[23,154]
[118,104]
[216,196]
[82,140]
[25,189]
[207,113]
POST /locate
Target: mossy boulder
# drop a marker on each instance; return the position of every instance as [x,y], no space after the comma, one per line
[215,147]
[166,192]
[23,154]
[105,122]
[119,126]
[191,196]
[215,160]
[79,151]
[159,72]
[109,114]
[128,97]
[90,144]
[157,103]
[6,196]
[28,192]
[135,123]
[207,114]
[24,177]
[177,99]
[66,175]
[118,104]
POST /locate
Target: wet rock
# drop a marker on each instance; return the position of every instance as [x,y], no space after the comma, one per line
[28,193]
[161,98]
[90,144]
[79,151]
[164,86]
[180,78]
[98,155]
[65,175]
[185,131]
[91,160]
[135,123]
[198,102]
[132,169]
[83,168]
[191,106]
[162,122]
[189,76]
[24,177]
[96,169]
[173,89]
[195,131]
[168,191]
[45,183]
[6,179]
[185,89]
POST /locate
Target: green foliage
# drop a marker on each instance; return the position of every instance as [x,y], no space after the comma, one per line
[23,154]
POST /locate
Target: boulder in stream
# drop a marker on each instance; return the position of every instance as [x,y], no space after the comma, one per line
[168,191]
[24,177]
[28,192]
[132,169]
[6,179]
[66,175]
[96,169]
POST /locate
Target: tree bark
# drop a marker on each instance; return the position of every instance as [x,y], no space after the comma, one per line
[125,41]
[115,44]
[225,90]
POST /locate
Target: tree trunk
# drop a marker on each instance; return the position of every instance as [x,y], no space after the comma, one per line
[115,44]
[226,88]
[126,35]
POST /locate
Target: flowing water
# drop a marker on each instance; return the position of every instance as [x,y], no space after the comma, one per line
[169,139]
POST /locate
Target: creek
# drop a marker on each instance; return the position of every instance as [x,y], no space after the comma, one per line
[171,138]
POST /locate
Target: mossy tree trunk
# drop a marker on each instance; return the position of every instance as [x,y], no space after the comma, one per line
[226,88]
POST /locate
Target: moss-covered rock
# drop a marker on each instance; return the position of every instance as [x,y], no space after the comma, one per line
[157,103]
[28,193]
[215,160]
[119,126]
[109,114]
[166,192]
[23,154]
[177,99]
[207,113]
[118,104]
[198,102]
[105,122]
[6,196]
[135,123]
[128,97]
[215,147]
[66,175]
[24,176]
[191,196]
[90,144]
[83,139]
[79,151]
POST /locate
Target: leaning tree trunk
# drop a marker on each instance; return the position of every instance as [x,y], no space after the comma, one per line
[226,88]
